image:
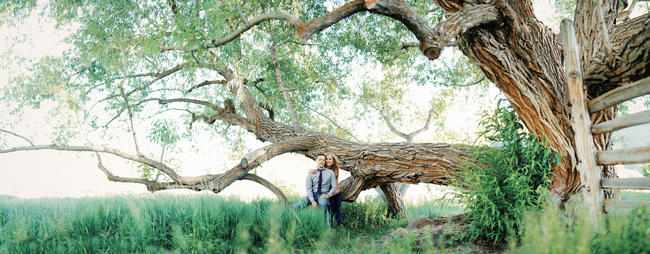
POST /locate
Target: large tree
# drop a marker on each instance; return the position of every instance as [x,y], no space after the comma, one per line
[281,61]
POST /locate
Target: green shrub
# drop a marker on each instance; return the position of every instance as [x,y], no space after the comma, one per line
[505,180]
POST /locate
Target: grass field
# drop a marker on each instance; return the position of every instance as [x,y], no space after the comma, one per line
[188,224]
[210,224]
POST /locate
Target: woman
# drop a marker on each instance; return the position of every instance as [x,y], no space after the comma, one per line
[332,163]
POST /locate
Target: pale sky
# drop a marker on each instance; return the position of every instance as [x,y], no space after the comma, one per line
[68,174]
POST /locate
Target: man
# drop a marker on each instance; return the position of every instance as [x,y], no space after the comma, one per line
[320,186]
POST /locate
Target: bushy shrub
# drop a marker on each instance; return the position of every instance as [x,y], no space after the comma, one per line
[506,178]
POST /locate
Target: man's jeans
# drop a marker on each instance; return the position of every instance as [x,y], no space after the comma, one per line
[323,203]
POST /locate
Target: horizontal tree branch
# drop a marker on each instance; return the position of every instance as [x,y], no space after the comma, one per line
[205,83]
[255,21]
[187,100]
[101,149]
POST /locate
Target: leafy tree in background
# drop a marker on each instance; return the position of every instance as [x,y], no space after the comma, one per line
[260,66]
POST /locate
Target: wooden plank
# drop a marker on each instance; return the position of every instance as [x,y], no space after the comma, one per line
[626,183]
[621,94]
[622,122]
[615,205]
[624,156]
[581,124]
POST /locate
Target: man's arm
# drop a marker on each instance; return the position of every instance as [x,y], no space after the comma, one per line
[309,184]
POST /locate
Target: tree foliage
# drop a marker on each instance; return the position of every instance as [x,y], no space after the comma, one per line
[130,46]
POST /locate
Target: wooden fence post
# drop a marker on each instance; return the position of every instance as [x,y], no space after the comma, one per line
[581,124]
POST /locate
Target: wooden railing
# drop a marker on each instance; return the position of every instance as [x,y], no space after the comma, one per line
[588,159]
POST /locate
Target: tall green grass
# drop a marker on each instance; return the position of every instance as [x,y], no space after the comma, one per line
[200,224]
[186,224]
[551,231]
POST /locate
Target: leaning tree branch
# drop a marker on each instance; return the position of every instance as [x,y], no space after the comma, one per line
[426,124]
[457,23]
[392,127]
[278,193]
[151,185]
[17,135]
[307,29]
[259,156]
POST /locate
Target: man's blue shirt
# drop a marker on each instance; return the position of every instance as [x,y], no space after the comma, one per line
[328,184]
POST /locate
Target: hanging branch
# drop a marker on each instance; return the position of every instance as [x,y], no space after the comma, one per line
[128,107]
[333,122]
[15,134]
[287,99]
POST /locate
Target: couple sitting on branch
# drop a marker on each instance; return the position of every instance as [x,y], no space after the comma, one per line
[323,187]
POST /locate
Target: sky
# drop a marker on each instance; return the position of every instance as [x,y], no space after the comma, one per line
[37,174]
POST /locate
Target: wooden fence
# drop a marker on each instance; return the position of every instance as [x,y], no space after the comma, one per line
[588,158]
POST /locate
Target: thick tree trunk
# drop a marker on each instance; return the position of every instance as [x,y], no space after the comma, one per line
[394,198]
[526,66]
[525,62]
